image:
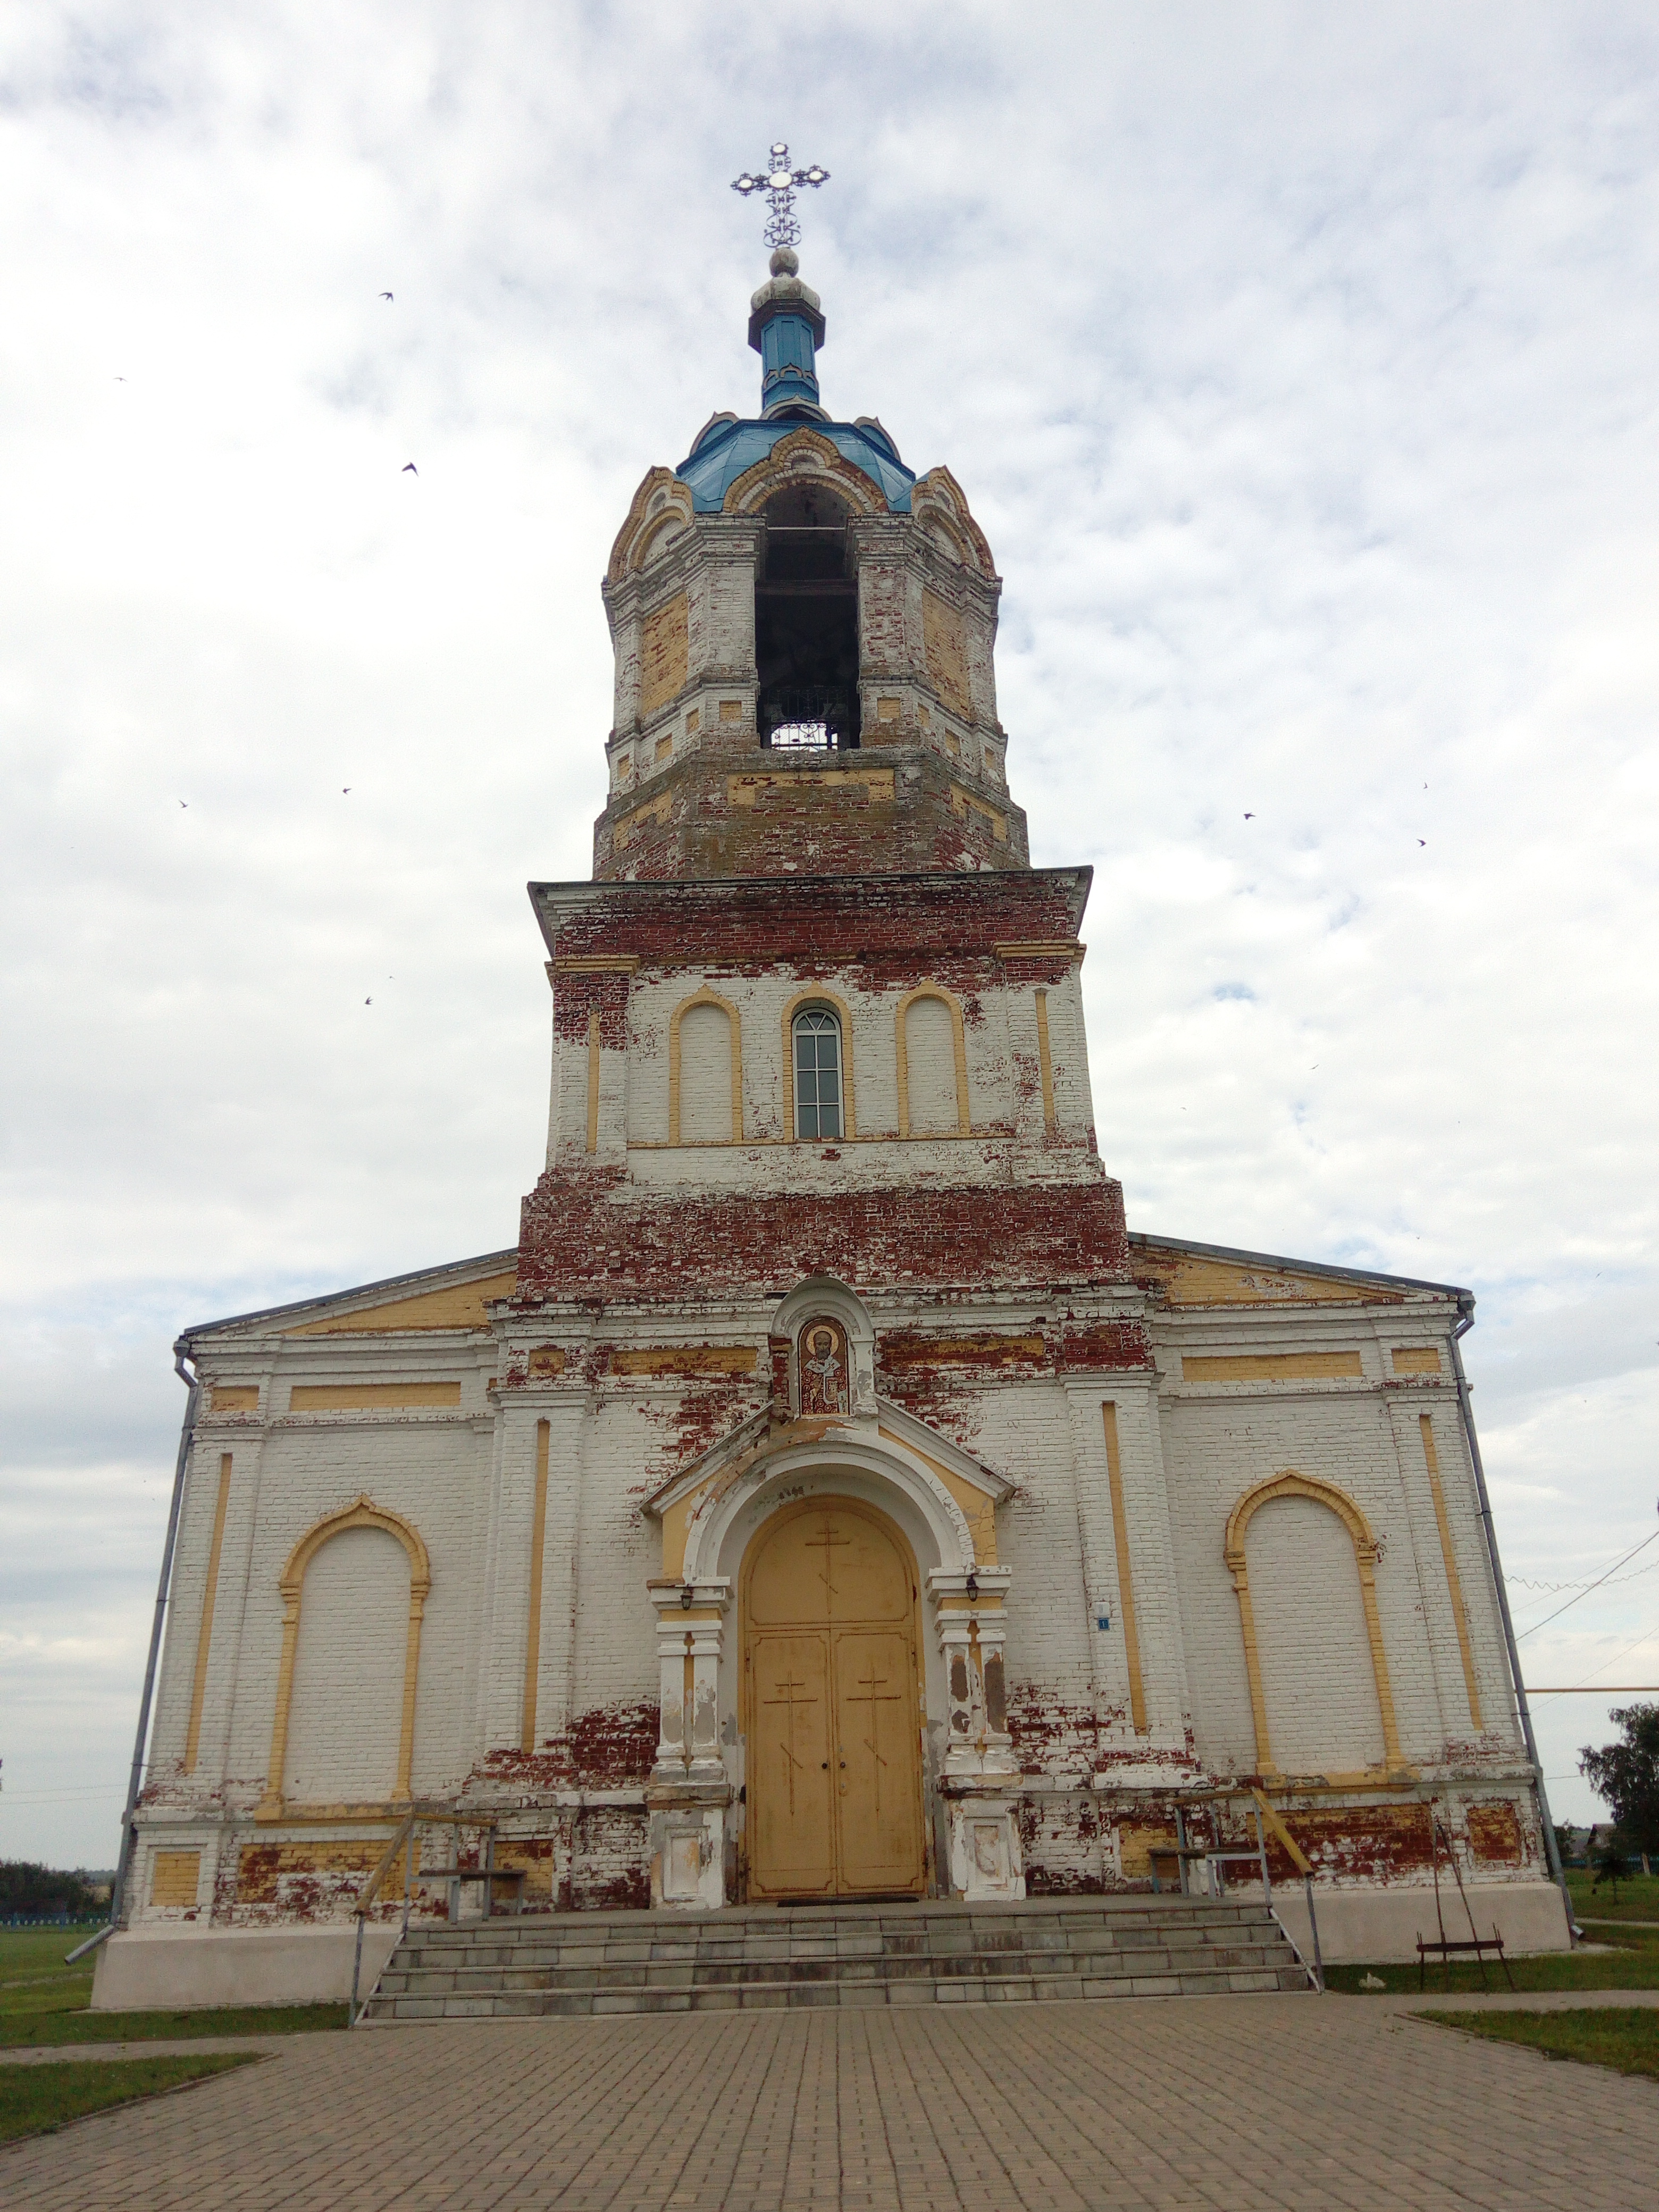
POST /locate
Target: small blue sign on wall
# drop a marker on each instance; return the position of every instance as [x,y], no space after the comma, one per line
[1102,1620]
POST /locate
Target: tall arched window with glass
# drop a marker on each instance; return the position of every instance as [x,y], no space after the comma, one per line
[817,1074]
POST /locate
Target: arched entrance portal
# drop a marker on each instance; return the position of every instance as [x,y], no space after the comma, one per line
[833,1706]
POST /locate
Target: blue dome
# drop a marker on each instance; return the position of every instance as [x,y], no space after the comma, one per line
[726,447]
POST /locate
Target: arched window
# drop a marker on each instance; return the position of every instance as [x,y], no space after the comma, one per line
[817,1073]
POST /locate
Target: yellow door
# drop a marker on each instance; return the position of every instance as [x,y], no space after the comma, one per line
[833,1706]
[790,1786]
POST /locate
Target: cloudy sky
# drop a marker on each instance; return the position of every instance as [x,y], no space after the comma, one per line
[1298,361]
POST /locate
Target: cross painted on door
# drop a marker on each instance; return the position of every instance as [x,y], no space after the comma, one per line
[829,1543]
[870,1693]
[789,1697]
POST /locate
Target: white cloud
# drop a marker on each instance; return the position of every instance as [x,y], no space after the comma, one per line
[1297,364]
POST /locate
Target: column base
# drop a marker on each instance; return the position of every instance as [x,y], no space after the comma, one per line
[686,1840]
[986,1859]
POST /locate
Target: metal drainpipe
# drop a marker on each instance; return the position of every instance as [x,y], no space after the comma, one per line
[118,1894]
[1466,1308]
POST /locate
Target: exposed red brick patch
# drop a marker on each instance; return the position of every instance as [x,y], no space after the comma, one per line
[1495,1834]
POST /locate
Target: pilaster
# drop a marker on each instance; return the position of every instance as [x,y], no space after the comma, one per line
[1138,1656]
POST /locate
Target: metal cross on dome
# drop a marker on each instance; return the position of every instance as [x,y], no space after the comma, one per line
[778,181]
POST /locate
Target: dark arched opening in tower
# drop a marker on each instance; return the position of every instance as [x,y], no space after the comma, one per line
[806,624]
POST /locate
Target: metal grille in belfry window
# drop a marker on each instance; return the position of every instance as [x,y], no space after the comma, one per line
[817,1074]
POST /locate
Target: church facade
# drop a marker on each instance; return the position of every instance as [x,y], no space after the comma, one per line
[827,1495]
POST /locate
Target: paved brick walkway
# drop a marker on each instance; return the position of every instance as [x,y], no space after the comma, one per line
[1230,2102]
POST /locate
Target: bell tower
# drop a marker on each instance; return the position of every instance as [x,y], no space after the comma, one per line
[804,633]
[820,1082]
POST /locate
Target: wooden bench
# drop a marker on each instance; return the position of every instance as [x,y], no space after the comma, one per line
[1444,1949]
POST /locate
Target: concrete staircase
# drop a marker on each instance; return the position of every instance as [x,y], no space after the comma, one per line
[837,1955]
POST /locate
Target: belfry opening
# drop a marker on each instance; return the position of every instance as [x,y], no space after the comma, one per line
[807,626]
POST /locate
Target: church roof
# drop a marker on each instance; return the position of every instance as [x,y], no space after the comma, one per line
[1222,1275]
[726,446]
[449,1296]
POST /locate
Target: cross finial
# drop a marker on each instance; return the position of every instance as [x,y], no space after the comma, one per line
[778,181]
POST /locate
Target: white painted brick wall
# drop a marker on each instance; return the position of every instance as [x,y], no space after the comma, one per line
[1316,1675]
[345,1717]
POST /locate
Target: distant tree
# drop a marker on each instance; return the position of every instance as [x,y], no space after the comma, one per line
[1567,1849]
[1608,1858]
[28,1887]
[1626,1775]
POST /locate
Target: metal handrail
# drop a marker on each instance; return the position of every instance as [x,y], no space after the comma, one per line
[435,1816]
[1266,1818]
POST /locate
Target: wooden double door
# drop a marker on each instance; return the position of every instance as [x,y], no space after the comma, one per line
[833,1706]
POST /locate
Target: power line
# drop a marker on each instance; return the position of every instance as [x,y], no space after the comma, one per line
[1524,1582]
[1611,1689]
[1583,1593]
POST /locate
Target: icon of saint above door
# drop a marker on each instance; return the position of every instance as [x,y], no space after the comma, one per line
[822,1366]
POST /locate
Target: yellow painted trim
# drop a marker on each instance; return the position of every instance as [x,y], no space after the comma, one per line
[363,1513]
[676,1530]
[978,1507]
[595,963]
[1453,1581]
[235,1397]
[370,1397]
[705,997]
[532,1650]
[1046,948]
[818,998]
[1291,1485]
[959,1046]
[1416,1359]
[205,1633]
[1271,1367]
[685,1359]
[1045,1061]
[593,1080]
[1126,1593]
[458,1306]
[174,1878]
[747,790]
[964,804]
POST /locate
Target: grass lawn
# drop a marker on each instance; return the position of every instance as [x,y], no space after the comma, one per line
[1632,1964]
[1638,1899]
[35,2100]
[43,2003]
[1627,2040]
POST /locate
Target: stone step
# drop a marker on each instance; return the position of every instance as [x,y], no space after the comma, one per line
[981,1967]
[914,1953]
[1118,1953]
[1091,1943]
[782,1996]
[770,1939]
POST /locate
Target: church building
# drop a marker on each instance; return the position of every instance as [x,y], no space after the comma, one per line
[826,1495]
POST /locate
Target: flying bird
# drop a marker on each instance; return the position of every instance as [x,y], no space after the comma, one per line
[184,802]
[1422,841]
[1249,818]
[386,295]
[409,469]
[368,1002]
[120,380]
[345,791]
